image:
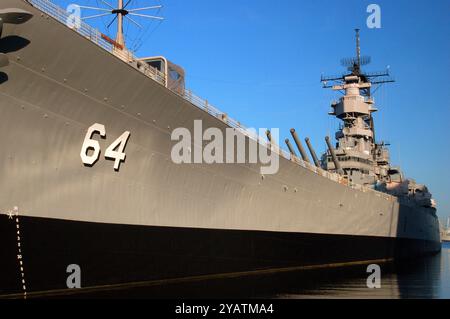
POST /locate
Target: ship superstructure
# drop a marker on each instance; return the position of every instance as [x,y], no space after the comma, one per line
[358,155]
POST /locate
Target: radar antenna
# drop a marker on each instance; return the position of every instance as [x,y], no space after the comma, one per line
[121,13]
[354,65]
[358,48]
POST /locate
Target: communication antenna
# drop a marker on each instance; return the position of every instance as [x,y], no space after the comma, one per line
[121,13]
[354,65]
[358,48]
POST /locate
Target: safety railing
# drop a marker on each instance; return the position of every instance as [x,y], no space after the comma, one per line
[96,37]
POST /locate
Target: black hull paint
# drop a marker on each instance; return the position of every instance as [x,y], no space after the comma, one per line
[119,254]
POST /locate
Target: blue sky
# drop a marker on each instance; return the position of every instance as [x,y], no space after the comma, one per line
[261,61]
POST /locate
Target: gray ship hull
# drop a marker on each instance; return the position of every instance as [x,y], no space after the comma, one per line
[154,219]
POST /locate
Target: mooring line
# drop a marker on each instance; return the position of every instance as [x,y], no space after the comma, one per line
[14,215]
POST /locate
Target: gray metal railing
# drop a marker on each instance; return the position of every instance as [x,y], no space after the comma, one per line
[94,36]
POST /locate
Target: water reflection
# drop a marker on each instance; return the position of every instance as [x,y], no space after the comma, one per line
[424,278]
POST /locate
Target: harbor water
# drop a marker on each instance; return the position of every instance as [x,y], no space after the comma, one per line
[425,278]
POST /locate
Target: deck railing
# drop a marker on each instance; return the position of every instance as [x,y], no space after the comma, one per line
[96,37]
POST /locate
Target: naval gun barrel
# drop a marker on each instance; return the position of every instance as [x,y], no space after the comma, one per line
[313,153]
[299,146]
[291,149]
[269,136]
[337,165]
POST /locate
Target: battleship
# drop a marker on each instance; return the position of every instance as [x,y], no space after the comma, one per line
[88,179]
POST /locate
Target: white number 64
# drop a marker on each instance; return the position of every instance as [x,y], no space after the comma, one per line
[115,151]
